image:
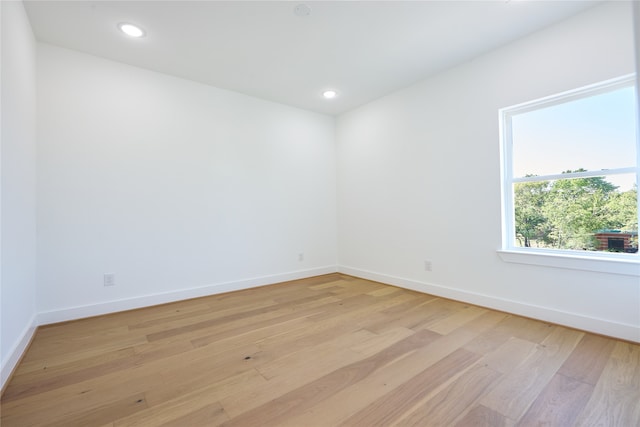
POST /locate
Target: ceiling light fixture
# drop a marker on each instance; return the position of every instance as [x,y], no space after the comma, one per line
[131,30]
[330,94]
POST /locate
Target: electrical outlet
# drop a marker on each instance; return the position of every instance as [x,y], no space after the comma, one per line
[109,279]
[427,265]
[300,257]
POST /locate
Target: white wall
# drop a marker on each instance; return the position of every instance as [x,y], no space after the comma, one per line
[18,190]
[419,178]
[636,26]
[183,190]
[178,188]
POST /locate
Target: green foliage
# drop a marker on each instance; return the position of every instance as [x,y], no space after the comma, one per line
[530,200]
[623,210]
[565,214]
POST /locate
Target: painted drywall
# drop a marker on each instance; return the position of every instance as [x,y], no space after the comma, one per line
[636,26]
[419,179]
[18,191]
[177,188]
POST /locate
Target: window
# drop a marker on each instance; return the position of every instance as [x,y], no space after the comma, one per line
[570,177]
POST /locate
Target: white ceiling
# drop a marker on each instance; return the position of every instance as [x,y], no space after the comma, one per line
[364,50]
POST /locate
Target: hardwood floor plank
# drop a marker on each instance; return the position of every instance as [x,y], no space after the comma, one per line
[437,311]
[383,291]
[171,322]
[68,417]
[338,347]
[481,416]
[82,344]
[506,357]
[258,330]
[33,372]
[337,408]
[517,390]
[60,380]
[191,409]
[375,345]
[588,359]
[614,401]
[210,415]
[510,327]
[173,315]
[191,387]
[392,405]
[257,315]
[151,375]
[448,405]
[351,301]
[297,401]
[464,315]
[314,369]
[129,405]
[559,404]
[327,351]
[313,333]
[413,316]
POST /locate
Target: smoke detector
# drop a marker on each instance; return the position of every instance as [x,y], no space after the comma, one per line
[302,10]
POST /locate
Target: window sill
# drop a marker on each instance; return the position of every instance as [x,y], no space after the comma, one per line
[602,263]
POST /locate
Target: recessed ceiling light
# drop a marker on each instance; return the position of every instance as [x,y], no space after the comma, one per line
[330,94]
[131,30]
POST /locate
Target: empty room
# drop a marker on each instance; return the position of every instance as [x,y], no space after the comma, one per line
[317,214]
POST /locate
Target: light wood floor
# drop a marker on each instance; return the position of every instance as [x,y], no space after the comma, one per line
[327,351]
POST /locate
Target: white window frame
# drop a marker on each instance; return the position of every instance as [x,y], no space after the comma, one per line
[604,262]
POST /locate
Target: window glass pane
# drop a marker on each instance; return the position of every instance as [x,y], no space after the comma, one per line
[592,133]
[593,214]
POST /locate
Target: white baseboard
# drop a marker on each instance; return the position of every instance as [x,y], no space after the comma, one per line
[599,326]
[73,313]
[15,354]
